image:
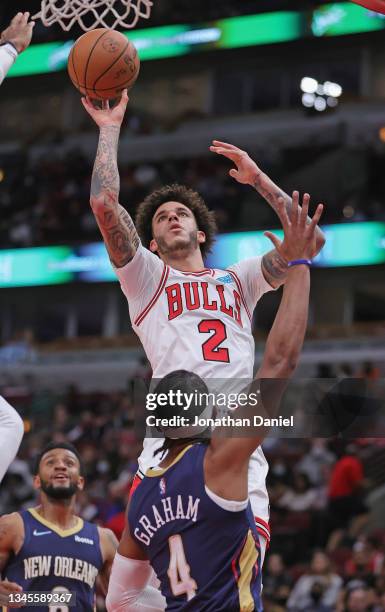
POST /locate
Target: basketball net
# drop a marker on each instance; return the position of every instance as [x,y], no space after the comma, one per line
[104,13]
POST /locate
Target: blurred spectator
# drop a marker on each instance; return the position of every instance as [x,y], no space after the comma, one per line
[369,371]
[317,462]
[277,582]
[300,497]
[317,590]
[345,493]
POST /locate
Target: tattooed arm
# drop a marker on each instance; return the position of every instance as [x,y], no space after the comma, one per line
[274,264]
[117,227]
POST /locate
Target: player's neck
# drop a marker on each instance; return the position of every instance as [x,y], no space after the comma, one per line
[179,260]
[58,512]
[173,452]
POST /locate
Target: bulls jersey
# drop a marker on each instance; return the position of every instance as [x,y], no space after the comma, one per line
[53,559]
[204,550]
[200,322]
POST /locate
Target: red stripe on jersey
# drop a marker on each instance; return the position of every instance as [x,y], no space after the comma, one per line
[163,280]
[201,273]
[135,483]
[239,286]
[263,528]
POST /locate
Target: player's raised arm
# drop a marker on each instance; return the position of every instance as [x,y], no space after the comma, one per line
[274,264]
[283,345]
[117,227]
[13,40]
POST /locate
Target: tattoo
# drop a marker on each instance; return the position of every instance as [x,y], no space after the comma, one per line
[117,227]
[118,230]
[268,190]
[105,175]
[274,268]
[271,192]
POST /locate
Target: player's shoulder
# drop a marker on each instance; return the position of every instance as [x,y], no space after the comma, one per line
[11,527]
[253,263]
[108,542]
[11,520]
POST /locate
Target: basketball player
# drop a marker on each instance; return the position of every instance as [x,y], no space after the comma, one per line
[13,40]
[186,315]
[11,434]
[49,548]
[190,517]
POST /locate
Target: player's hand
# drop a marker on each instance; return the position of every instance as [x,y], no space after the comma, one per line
[6,589]
[299,235]
[246,171]
[19,32]
[107,116]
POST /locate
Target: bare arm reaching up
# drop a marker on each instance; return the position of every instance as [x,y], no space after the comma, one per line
[227,459]
[117,227]
[274,263]
[13,40]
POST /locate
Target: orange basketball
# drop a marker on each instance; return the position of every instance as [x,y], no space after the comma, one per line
[102,63]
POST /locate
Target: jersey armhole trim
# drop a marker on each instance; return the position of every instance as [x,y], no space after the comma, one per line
[227,504]
[239,287]
[140,318]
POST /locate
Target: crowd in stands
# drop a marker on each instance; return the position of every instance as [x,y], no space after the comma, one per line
[328,548]
[165,12]
[46,201]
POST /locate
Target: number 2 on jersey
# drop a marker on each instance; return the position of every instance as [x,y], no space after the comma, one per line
[211,348]
[179,570]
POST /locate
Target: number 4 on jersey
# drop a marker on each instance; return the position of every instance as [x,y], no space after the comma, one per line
[179,570]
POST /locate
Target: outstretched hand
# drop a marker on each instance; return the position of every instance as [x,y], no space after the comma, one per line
[299,235]
[107,116]
[246,171]
[19,32]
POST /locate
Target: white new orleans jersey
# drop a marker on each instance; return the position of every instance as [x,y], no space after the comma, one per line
[201,322]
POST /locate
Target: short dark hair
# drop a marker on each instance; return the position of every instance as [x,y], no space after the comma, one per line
[205,218]
[187,382]
[53,446]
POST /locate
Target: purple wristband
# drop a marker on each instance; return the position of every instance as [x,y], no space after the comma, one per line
[298,262]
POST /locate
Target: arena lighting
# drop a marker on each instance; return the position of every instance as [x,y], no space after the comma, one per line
[309,85]
[381,134]
[332,89]
[308,100]
[319,96]
[320,104]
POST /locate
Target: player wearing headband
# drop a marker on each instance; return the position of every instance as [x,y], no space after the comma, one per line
[190,518]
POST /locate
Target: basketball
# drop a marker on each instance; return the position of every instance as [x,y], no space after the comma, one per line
[102,63]
[373,5]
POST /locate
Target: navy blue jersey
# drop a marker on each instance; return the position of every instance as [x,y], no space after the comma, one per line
[205,556]
[56,559]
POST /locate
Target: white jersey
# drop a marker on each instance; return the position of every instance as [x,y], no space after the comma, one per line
[11,434]
[8,55]
[197,321]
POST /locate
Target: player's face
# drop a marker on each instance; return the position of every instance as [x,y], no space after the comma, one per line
[59,474]
[174,228]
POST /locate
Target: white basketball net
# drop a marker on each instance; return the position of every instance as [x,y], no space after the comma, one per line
[103,13]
